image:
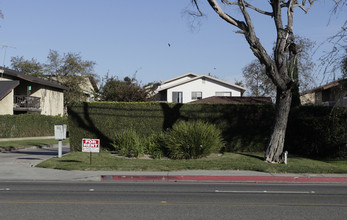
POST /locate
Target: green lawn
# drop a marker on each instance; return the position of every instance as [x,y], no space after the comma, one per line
[228,161]
[29,143]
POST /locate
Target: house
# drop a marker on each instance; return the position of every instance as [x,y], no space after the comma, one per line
[87,84]
[21,93]
[235,100]
[7,96]
[331,94]
[191,87]
[89,88]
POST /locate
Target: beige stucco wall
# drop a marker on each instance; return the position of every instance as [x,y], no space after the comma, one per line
[6,104]
[308,99]
[52,102]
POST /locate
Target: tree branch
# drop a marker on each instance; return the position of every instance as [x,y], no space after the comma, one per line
[295,3]
[241,25]
[302,5]
[290,12]
[197,7]
[259,50]
[248,6]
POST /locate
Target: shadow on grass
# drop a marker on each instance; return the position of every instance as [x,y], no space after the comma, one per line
[254,156]
[70,161]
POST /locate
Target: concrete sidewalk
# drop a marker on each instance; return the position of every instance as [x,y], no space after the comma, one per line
[20,166]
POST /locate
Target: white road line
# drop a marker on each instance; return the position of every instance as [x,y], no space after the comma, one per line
[265,191]
[6,189]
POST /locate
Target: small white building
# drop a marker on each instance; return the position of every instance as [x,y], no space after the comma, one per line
[191,87]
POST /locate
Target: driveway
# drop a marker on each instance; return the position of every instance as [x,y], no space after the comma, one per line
[31,156]
[20,164]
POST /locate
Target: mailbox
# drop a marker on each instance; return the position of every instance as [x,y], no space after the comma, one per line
[59,132]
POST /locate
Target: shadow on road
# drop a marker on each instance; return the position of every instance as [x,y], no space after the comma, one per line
[41,151]
[28,158]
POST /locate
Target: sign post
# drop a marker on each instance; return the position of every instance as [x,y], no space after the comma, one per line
[90,145]
[60,134]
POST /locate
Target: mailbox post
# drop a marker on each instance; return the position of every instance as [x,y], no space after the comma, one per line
[60,135]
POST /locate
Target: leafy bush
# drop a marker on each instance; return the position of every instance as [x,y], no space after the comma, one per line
[196,139]
[154,146]
[128,143]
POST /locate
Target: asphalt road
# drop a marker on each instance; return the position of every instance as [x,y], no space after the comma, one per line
[125,200]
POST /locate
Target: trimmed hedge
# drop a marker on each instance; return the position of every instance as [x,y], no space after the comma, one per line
[29,125]
[317,131]
[242,125]
[312,130]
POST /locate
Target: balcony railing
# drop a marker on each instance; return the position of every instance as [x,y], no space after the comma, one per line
[26,102]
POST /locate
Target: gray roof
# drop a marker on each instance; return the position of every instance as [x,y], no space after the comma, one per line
[200,77]
[6,87]
[235,100]
[33,79]
[326,86]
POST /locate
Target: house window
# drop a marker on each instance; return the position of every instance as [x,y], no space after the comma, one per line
[177,97]
[223,93]
[196,95]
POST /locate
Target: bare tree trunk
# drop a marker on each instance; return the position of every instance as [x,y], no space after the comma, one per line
[276,143]
[276,67]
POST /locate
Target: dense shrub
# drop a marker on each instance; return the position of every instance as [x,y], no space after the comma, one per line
[317,131]
[28,125]
[128,143]
[312,130]
[155,146]
[192,139]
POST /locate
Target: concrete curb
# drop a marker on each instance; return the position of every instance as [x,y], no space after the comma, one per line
[27,138]
[249,179]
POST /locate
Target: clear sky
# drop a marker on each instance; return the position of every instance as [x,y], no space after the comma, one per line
[123,37]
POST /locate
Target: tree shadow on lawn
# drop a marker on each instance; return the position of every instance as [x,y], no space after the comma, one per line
[70,161]
[254,156]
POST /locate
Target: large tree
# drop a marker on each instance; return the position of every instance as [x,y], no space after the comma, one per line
[259,84]
[334,61]
[68,69]
[256,81]
[30,67]
[279,67]
[126,90]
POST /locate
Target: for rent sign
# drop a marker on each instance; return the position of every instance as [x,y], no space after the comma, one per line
[91,145]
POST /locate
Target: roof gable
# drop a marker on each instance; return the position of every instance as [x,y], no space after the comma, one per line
[191,75]
[6,87]
[202,77]
[326,86]
[33,79]
[235,100]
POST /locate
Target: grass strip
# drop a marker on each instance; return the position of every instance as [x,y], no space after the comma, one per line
[229,161]
[29,143]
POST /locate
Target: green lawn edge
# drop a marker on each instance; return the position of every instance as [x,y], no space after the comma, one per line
[29,143]
[106,161]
